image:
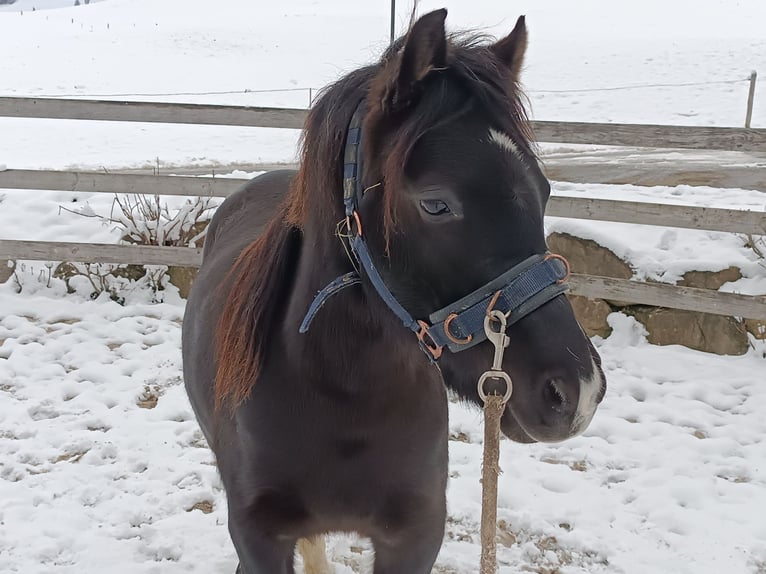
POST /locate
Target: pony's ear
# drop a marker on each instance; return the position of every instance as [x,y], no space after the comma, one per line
[510,50]
[425,49]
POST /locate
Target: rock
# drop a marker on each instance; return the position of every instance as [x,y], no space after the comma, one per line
[756,328]
[6,269]
[702,331]
[710,279]
[592,314]
[182,277]
[588,257]
[130,272]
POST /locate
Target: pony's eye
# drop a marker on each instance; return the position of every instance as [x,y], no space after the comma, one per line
[434,206]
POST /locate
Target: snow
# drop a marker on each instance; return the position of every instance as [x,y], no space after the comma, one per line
[102,465]
[665,254]
[31,5]
[668,478]
[195,46]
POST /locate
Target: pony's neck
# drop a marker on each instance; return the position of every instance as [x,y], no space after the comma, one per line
[354,335]
[322,259]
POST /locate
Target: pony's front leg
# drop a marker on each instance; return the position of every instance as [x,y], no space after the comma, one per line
[259,554]
[412,550]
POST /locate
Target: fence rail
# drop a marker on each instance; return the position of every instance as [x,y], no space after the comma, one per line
[687,298]
[100,253]
[702,300]
[152,112]
[642,135]
[95,182]
[687,217]
[673,296]
[684,137]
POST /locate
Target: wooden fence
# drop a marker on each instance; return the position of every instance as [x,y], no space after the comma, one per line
[711,138]
[714,138]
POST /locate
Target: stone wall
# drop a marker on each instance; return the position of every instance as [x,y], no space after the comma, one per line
[6,270]
[701,331]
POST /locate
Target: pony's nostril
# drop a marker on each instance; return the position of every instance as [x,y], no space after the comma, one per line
[554,394]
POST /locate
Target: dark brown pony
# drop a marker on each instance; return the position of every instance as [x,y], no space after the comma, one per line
[344,427]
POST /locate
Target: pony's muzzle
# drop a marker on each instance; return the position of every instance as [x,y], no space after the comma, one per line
[558,405]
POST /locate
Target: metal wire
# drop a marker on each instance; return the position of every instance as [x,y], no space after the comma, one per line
[164,94]
[310,90]
[637,86]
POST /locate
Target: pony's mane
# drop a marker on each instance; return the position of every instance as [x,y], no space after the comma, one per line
[262,272]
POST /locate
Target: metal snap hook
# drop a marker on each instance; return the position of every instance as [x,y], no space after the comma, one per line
[500,340]
[498,376]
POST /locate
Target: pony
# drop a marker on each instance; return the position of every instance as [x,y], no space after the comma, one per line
[419,195]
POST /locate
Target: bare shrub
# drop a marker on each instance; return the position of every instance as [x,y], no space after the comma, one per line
[141,220]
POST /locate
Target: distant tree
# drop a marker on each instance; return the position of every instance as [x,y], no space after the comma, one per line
[76,2]
[7,1]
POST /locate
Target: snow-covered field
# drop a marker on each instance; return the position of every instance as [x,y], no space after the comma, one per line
[102,466]
[141,47]
[20,6]
[670,477]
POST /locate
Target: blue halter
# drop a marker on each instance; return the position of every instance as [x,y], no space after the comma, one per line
[460,325]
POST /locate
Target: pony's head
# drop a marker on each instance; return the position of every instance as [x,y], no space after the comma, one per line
[451,198]
[455,198]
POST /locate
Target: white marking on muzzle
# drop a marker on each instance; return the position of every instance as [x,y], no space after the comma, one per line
[505,142]
[586,405]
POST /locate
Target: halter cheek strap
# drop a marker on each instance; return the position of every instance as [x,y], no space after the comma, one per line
[352,195]
[460,325]
[321,298]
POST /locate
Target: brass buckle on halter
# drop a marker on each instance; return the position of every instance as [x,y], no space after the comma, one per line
[432,350]
[356,220]
[566,265]
[490,312]
[452,337]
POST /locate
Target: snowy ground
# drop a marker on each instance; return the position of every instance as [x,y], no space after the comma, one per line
[102,467]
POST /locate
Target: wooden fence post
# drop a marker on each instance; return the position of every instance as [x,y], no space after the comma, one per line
[750,98]
[393,21]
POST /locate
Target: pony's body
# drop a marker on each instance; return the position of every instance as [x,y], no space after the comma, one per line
[344,427]
[338,438]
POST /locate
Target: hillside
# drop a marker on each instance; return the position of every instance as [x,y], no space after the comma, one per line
[34,5]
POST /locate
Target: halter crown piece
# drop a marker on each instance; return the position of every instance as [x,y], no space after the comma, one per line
[460,325]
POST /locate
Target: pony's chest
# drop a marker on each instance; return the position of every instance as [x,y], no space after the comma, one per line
[341,443]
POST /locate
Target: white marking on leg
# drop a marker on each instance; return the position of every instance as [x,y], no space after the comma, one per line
[314,554]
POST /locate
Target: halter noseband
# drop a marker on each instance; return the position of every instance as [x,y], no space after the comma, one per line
[460,325]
